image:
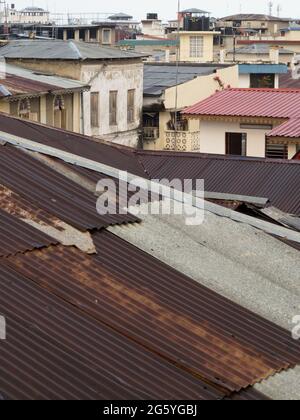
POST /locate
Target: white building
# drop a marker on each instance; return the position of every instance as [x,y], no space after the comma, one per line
[29,15]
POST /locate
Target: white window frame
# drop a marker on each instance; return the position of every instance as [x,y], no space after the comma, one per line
[196,46]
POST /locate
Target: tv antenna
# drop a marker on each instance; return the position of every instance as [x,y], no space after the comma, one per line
[271,4]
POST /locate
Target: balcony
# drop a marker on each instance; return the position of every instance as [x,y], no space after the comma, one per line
[150,133]
[182,141]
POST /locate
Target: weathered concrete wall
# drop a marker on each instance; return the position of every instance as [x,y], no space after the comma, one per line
[114,77]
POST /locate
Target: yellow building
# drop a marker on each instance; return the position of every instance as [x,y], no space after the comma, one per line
[166,93]
[42,97]
[197,47]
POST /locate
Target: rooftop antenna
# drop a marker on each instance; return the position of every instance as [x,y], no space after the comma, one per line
[271,4]
[279,9]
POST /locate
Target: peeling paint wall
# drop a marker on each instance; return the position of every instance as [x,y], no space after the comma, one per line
[119,77]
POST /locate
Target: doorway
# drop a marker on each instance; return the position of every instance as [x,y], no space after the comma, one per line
[236,144]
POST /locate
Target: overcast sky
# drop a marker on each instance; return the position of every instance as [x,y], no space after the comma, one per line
[165,8]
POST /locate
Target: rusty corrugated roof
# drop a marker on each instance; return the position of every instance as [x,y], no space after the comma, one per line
[56,351]
[16,236]
[112,155]
[52,192]
[16,85]
[163,311]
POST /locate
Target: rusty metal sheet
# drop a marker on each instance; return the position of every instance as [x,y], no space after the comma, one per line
[53,192]
[192,327]
[113,155]
[16,236]
[56,351]
[17,85]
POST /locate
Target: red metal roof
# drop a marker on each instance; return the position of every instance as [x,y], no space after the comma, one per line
[290,129]
[268,103]
[297,156]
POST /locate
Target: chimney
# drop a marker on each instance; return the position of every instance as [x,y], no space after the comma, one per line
[223,54]
[274,55]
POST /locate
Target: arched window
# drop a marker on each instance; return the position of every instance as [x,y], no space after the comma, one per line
[24,109]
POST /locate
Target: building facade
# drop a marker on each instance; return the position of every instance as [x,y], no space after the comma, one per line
[113,107]
[249,122]
[43,98]
[29,15]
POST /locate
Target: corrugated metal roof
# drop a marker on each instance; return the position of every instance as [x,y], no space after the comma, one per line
[63,50]
[259,49]
[84,146]
[269,103]
[17,236]
[287,81]
[56,351]
[254,16]
[277,180]
[289,129]
[53,192]
[162,310]
[158,78]
[39,80]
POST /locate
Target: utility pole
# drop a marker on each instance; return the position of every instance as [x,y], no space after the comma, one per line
[177,73]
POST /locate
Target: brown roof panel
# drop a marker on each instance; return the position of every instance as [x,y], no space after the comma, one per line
[277,180]
[17,236]
[143,299]
[53,192]
[17,85]
[112,155]
[56,351]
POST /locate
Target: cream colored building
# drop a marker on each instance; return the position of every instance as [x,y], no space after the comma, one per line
[260,53]
[197,47]
[249,122]
[43,98]
[29,15]
[263,24]
[162,97]
[112,109]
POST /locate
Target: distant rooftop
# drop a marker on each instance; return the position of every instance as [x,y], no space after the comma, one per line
[195,11]
[259,49]
[254,16]
[63,50]
[158,77]
[120,16]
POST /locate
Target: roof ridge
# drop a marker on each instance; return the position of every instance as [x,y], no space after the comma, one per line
[196,155]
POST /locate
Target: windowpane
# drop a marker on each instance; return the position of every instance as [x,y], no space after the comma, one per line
[106,36]
[130,105]
[196,46]
[95,109]
[113,99]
